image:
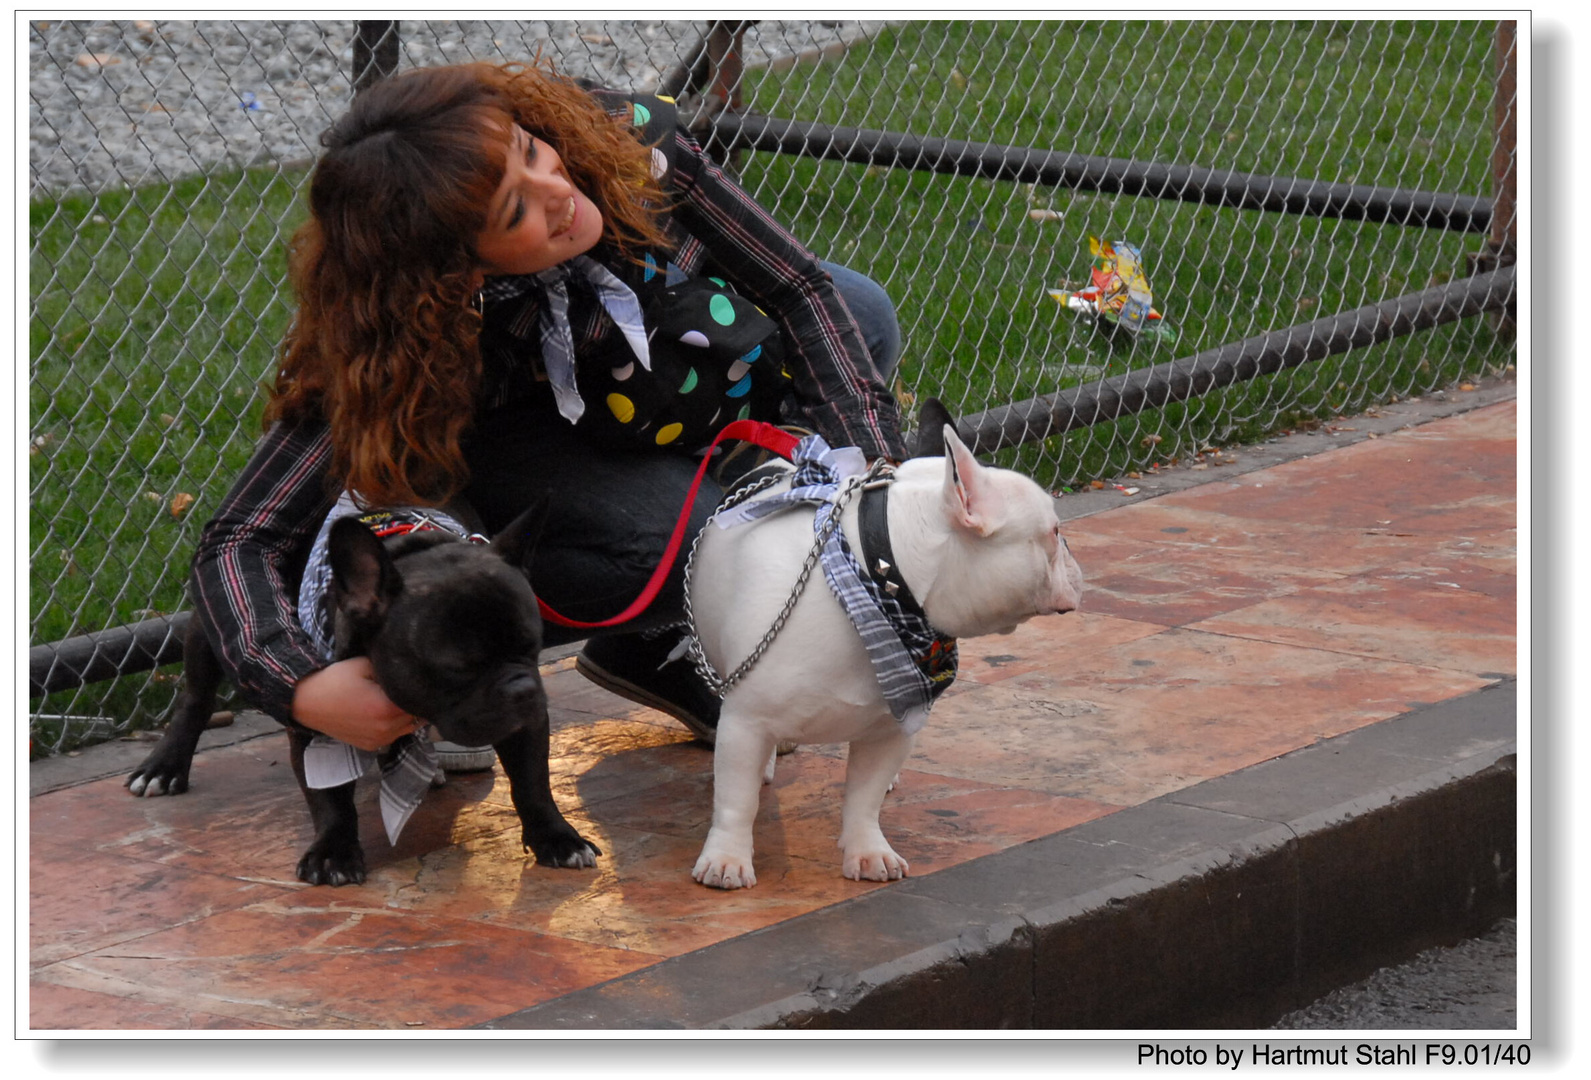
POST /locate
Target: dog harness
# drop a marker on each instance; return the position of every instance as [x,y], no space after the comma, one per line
[914,662]
[409,767]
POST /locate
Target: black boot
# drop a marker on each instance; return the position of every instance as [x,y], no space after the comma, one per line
[636,667]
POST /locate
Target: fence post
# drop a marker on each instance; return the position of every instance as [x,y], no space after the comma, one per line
[712,70]
[1505,145]
[1500,249]
[375,52]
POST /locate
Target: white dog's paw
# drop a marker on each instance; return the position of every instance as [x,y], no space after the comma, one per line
[724,871]
[875,865]
[893,784]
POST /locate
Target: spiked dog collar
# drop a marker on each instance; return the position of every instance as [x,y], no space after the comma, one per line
[934,653]
[878,556]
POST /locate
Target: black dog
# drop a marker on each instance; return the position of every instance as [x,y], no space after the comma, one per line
[454,634]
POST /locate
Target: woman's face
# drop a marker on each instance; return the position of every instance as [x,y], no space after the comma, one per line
[536,219]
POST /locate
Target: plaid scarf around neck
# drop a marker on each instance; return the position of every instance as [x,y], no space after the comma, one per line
[557,340]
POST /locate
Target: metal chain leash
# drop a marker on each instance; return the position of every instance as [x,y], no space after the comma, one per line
[720,685]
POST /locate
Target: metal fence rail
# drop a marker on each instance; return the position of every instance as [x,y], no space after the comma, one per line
[1282,179]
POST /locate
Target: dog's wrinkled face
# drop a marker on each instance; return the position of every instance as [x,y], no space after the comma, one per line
[461,645]
[451,628]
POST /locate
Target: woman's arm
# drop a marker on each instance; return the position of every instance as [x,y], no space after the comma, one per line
[342,700]
[829,363]
[242,581]
[245,594]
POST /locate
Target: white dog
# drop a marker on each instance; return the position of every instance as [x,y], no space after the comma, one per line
[981,551]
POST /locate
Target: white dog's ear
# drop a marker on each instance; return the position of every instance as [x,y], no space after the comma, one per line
[971,501]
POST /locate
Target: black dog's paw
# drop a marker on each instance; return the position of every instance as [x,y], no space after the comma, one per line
[561,847]
[331,862]
[162,773]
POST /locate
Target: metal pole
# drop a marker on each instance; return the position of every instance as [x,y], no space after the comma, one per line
[1505,147]
[690,74]
[709,75]
[1083,172]
[106,654]
[1263,354]
[375,52]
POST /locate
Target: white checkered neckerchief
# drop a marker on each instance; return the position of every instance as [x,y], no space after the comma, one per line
[407,771]
[557,340]
[314,607]
[821,475]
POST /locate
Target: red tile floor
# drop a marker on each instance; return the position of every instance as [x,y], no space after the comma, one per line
[1223,625]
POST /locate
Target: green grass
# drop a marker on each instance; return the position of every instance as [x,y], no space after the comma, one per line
[155,316]
[156,312]
[1398,104]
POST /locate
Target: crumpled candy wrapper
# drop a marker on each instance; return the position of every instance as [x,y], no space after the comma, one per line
[1118,293]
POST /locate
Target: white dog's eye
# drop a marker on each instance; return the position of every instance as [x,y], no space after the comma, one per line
[1051,542]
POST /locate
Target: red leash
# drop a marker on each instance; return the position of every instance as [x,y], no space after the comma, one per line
[767,436]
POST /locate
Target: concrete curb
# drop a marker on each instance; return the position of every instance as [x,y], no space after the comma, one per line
[1224,905]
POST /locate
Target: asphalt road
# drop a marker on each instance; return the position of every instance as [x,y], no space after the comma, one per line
[1471,986]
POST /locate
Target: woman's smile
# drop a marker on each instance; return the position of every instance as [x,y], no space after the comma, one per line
[568,220]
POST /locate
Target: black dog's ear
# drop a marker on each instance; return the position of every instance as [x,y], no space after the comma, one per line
[364,582]
[517,542]
[929,438]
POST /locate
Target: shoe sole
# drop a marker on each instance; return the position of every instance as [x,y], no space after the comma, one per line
[630,692]
[465,758]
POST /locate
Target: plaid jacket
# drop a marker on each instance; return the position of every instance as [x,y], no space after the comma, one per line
[244,572]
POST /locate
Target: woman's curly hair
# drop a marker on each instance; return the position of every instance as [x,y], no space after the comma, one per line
[384,344]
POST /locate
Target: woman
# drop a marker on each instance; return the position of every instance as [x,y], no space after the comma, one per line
[448,314]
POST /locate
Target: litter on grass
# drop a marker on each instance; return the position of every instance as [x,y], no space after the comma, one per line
[1118,294]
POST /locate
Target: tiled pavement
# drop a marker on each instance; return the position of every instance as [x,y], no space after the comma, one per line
[1223,626]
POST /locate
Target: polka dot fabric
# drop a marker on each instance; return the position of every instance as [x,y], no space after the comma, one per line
[716,357]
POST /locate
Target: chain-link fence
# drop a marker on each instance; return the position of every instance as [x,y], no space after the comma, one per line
[1271,175]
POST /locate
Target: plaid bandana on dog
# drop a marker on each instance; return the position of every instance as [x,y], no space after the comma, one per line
[407,771]
[913,661]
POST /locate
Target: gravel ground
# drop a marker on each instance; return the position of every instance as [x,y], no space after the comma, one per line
[1471,986]
[121,103]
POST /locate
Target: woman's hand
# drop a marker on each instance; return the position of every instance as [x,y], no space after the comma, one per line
[342,700]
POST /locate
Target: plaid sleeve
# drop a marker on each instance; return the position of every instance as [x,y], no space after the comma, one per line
[835,382]
[242,580]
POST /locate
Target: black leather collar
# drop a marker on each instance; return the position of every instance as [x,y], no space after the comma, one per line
[878,557]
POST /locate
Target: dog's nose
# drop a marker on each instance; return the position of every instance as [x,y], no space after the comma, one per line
[1065,599]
